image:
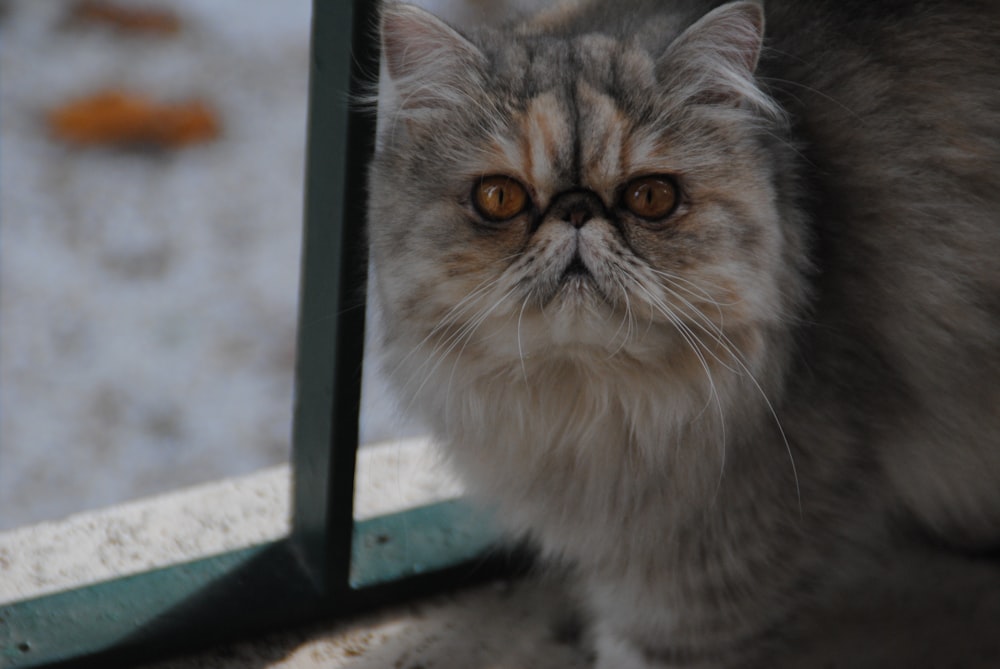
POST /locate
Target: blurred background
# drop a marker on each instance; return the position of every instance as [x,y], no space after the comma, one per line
[151,173]
[151,169]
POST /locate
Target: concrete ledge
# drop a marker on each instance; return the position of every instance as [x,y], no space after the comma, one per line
[200,521]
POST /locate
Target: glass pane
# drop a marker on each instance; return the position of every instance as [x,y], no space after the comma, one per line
[149,245]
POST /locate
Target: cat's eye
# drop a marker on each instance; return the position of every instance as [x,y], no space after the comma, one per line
[651,197]
[499,198]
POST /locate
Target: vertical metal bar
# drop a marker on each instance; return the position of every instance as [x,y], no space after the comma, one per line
[331,310]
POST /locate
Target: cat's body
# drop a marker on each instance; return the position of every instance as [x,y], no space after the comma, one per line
[714,409]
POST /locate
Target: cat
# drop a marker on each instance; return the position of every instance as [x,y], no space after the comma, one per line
[703,298]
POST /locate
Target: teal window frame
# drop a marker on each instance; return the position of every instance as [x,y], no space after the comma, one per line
[328,565]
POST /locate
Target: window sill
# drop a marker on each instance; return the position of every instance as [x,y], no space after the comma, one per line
[201,521]
[504,619]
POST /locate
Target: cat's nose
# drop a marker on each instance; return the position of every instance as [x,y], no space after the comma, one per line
[576,207]
[578,216]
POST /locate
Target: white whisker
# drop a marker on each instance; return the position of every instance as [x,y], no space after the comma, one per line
[520,347]
[714,331]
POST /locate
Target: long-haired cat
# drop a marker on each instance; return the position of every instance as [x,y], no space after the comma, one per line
[704,299]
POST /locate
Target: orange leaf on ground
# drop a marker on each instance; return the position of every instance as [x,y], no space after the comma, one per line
[127,19]
[117,118]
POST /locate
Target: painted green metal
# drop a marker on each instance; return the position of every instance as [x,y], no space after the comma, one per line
[426,539]
[331,309]
[328,565]
[147,611]
[257,589]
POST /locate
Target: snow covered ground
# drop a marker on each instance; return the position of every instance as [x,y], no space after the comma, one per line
[148,299]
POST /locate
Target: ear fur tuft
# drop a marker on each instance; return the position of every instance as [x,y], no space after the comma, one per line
[717,56]
[427,61]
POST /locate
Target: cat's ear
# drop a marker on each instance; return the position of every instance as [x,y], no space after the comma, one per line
[715,59]
[429,64]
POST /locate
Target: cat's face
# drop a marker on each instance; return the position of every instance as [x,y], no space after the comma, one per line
[539,195]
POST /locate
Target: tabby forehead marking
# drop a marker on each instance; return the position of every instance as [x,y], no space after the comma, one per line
[604,140]
[547,137]
[541,145]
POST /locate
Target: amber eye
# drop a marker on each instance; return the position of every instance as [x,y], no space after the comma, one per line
[652,197]
[499,198]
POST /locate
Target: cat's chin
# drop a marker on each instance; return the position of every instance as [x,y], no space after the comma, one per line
[578,290]
[577,302]
[579,321]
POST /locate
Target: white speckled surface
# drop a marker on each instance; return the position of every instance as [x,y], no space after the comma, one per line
[99,545]
[202,520]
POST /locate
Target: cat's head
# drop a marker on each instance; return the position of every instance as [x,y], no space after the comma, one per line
[557,190]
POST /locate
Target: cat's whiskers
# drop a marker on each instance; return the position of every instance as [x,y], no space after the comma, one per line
[698,347]
[469,330]
[450,318]
[711,329]
[694,342]
[706,325]
[812,89]
[627,319]
[672,286]
[695,290]
[520,347]
[674,312]
[790,146]
[698,318]
[453,315]
[442,349]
